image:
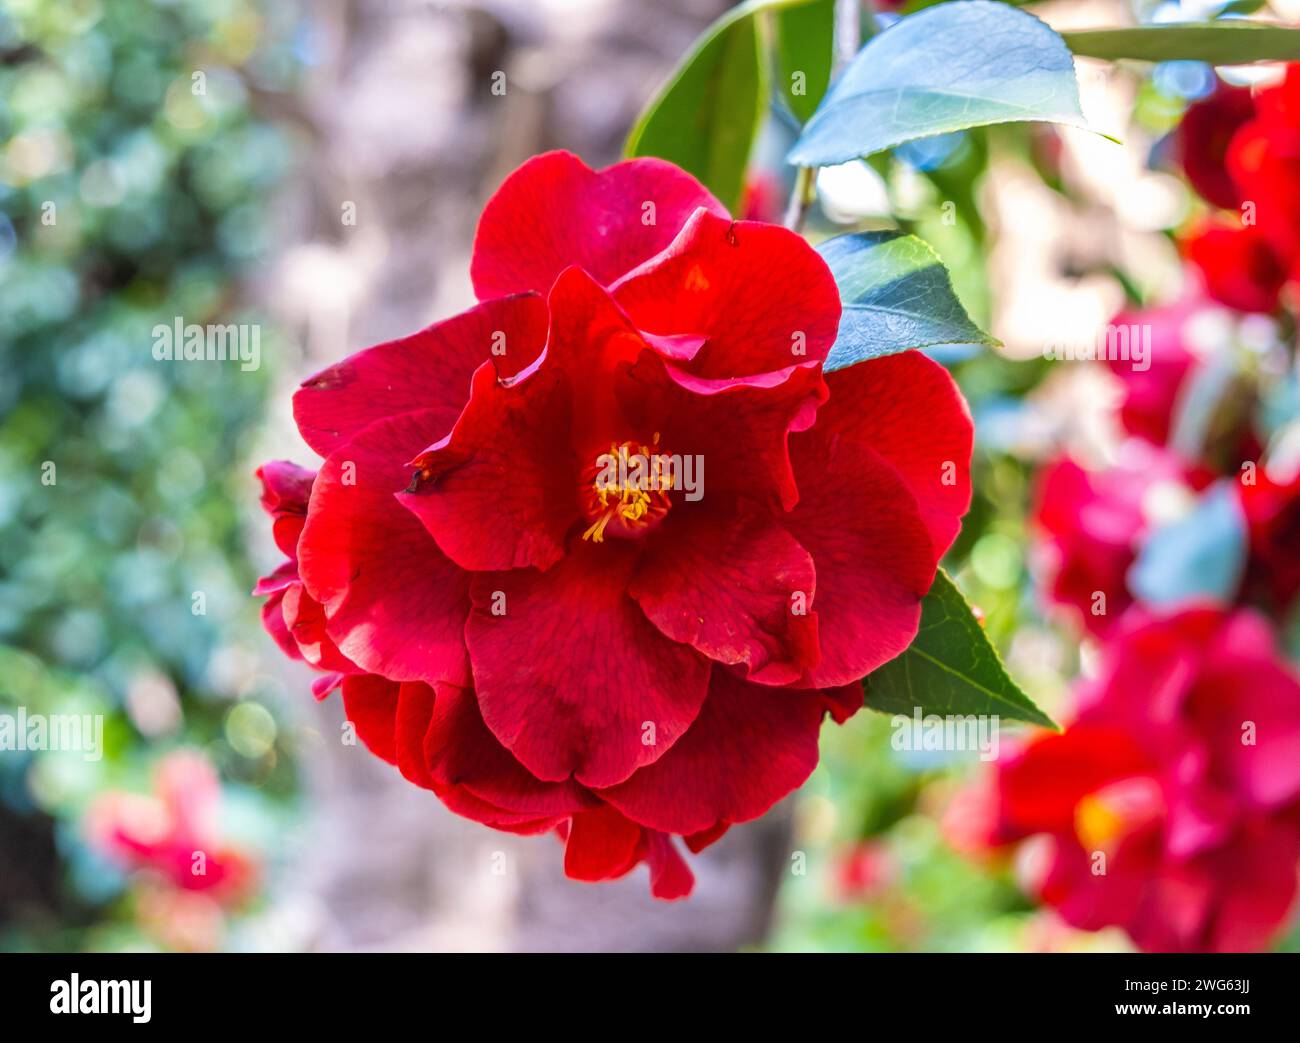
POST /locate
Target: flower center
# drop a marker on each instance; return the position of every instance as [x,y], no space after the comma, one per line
[625,491]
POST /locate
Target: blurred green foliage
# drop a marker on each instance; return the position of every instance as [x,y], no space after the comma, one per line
[134,184]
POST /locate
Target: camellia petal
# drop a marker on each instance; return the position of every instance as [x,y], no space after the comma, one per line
[733,583]
[371,705]
[460,751]
[872,552]
[908,409]
[571,676]
[395,605]
[555,211]
[428,371]
[704,781]
[764,298]
[501,491]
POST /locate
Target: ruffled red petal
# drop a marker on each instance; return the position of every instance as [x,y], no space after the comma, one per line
[555,211]
[762,296]
[394,604]
[571,676]
[750,746]
[428,371]
[907,408]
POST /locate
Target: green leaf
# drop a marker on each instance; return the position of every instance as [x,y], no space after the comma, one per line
[946,68]
[896,295]
[706,117]
[950,667]
[805,43]
[1225,42]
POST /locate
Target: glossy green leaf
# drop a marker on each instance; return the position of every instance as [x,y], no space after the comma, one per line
[1225,42]
[946,68]
[805,43]
[950,667]
[705,119]
[896,295]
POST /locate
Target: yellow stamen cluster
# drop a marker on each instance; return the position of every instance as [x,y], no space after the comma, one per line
[627,500]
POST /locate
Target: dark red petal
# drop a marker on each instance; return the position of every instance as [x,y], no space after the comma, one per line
[412,721]
[273,623]
[462,802]
[573,678]
[427,371]
[727,579]
[555,211]
[844,701]
[670,877]
[306,621]
[395,604]
[908,409]
[1041,787]
[749,747]
[697,842]
[284,576]
[602,845]
[874,557]
[1257,889]
[1202,142]
[500,491]
[286,488]
[764,298]
[1239,265]
[460,751]
[322,686]
[371,705]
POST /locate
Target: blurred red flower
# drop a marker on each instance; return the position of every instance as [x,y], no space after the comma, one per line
[1238,264]
[1271,507]
[549,644]
[1247,259]
[1264,162]
[1090,524]
[1171,805]
[174,834]
[864,872]
[1187,336]
[1202,141]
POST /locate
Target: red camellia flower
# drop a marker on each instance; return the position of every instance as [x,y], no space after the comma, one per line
[1203,138]
[1271,507]
[1186,335]
[1238,264]
[1264,162]
[173,833]
[1090,525]
[599,554]
[1151,392]
[1171,805]
[1243,154]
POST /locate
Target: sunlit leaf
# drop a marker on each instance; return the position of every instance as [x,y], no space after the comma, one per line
[896,295]
[950,667]
[945,68]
